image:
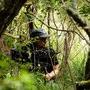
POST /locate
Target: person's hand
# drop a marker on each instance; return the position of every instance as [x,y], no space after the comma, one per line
[53,73]
[47,76]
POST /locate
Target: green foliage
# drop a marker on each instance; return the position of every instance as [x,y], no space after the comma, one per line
[28,81]
[4,65]
[15,76]
[85,10]
[8,41]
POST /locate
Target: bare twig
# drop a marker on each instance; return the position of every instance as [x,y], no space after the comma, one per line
[60,29]
[53,27]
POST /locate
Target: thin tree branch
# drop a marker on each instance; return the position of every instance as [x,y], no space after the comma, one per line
[53,27]
[72,31]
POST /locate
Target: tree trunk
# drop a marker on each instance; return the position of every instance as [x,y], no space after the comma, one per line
[87,67]
[86,28]
[10,10]
[84,25]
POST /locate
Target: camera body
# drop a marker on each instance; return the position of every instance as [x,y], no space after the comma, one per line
[19,56]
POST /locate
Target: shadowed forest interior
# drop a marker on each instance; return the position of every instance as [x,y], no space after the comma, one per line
[67,24]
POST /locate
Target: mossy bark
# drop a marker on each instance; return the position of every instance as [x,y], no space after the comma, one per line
[83,85]
[11,9]
[80,22]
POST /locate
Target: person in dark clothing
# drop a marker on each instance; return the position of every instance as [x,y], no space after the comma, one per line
[43,58]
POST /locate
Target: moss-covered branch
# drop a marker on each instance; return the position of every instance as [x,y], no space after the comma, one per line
[83,85]
[76,17]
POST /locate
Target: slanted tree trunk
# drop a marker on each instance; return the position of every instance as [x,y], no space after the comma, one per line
[86,28]
[11,9]
[87,68]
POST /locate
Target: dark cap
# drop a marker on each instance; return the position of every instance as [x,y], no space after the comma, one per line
[39,33]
